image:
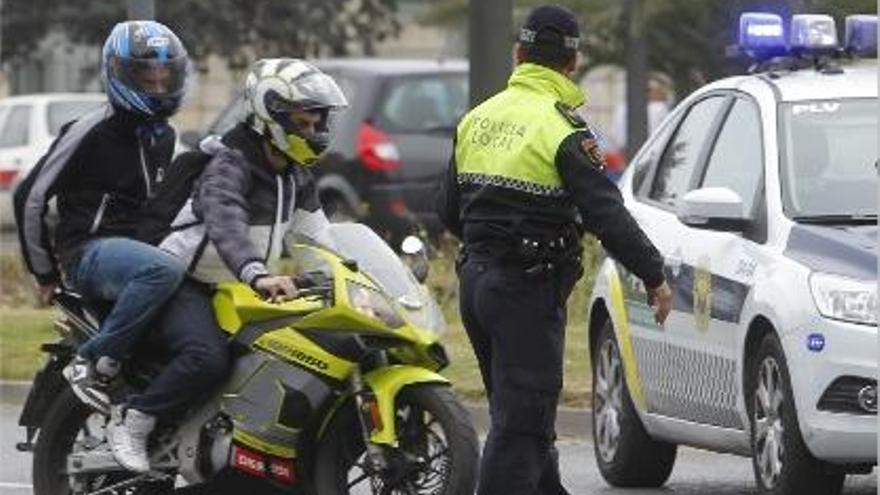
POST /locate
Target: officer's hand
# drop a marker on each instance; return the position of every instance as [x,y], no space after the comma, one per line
[46,293]
[661,298]
[276,288]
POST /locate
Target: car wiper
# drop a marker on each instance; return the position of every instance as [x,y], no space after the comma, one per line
[837,219]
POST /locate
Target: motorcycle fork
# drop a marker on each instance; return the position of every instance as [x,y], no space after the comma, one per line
[368,417]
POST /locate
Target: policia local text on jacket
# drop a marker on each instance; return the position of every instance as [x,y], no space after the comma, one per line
[526,179]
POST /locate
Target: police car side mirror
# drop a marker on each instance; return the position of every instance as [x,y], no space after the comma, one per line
[713,208]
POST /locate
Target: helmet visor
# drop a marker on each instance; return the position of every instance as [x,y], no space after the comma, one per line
[152,77]
[316,125]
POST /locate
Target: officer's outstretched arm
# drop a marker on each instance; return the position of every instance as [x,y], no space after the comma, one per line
[448,198]
[581,168]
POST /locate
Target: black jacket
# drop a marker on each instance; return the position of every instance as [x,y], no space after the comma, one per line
[493,214]
[101,168]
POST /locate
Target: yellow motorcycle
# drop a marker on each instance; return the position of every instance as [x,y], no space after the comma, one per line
[334,392]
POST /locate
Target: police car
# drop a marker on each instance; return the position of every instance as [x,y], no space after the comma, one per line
[760,191]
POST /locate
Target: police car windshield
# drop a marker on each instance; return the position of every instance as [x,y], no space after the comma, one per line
[828,150]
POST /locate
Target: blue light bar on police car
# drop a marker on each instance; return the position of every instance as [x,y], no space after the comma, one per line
[813,33]
[761,34]
[861,34]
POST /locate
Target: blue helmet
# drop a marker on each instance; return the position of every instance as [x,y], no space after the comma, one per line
[145,66]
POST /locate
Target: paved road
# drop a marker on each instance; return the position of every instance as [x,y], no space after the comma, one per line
[696,472]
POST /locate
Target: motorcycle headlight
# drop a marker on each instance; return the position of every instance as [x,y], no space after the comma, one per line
[844,298]
[370,302]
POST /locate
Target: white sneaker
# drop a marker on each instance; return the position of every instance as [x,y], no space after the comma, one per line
[127,433]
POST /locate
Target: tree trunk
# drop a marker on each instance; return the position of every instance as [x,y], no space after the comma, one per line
[636,77]
[490,27]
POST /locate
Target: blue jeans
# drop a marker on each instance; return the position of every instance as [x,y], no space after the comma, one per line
[137,277]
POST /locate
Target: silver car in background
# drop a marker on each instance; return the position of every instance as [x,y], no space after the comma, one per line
[28,125]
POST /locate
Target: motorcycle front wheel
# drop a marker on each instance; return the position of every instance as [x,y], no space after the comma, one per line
[71,426]
[437,451]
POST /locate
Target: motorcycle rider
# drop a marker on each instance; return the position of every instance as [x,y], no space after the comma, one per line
[102,168]
[256,185]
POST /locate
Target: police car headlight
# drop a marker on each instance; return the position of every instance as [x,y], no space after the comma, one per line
[844,298]
[372,303]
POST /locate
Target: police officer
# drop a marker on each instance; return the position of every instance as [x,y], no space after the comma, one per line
[525,180]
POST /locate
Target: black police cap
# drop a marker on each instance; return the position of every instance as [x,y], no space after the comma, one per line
[551,17]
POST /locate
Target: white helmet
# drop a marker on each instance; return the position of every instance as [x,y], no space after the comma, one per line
[274,88]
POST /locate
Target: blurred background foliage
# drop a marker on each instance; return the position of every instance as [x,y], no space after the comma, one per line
[233,29]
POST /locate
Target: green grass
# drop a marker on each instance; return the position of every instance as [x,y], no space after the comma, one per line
[22,330]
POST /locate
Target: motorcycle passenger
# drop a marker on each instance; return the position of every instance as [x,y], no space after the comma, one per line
[256,185]
[102,168]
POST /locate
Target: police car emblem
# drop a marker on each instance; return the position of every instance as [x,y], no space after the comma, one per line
[702,294]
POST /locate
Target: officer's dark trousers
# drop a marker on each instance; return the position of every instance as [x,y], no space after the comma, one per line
[516,325]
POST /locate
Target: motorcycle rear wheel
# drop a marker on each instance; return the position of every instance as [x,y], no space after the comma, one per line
[437,452]
[71,424]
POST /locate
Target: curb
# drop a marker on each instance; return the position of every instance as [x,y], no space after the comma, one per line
[570,422]
[14,392]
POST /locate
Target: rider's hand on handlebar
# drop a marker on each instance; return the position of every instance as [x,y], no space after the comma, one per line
[276,288]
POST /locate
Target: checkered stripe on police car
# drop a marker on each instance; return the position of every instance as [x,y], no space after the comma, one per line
[509,183]
[687,384]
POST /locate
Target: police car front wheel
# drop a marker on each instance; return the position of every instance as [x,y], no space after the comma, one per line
[781,461]
[626,455]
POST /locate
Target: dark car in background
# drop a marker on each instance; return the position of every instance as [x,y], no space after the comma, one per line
[391,145]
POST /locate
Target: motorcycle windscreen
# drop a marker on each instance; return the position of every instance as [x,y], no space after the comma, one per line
[379,262]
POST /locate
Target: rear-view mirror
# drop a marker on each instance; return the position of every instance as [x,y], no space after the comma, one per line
[713,208]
